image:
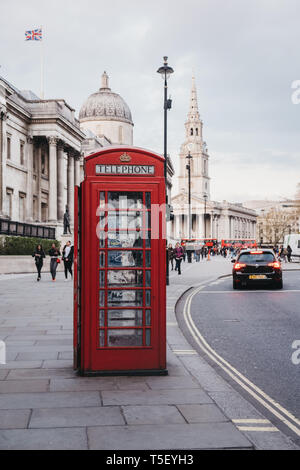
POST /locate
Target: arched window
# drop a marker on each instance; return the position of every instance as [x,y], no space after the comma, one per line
[120,135]
[196,130]
[192,131]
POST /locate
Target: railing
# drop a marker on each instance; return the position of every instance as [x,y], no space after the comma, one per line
[9,227]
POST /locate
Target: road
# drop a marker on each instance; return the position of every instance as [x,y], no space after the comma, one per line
[254,329]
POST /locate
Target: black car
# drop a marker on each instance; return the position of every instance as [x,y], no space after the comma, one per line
[256,266]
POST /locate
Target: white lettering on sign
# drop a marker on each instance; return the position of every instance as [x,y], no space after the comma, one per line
[125,170]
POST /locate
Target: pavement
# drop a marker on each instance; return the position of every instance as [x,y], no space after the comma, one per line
[45,405]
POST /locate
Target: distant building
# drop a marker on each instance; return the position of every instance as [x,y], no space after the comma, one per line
[221,220]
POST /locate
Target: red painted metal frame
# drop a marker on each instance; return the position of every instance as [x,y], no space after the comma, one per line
[110,360]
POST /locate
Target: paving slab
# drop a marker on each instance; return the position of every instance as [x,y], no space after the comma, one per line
[168,436]
[160,383]
[21,365]
[202,413]
[76,417]
[23,374]
[154,397]
[14,419]
[17,401]
[36,355]
[44,439]
[152,414]
[82,384]
[23,386]
[52,364]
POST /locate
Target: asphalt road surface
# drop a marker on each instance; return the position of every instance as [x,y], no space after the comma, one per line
[254,329]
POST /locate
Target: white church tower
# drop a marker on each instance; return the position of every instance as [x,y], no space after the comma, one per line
[200,181]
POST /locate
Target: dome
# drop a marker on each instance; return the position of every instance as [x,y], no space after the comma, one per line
[104,105]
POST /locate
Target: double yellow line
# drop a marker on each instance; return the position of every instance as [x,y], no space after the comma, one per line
[265,400]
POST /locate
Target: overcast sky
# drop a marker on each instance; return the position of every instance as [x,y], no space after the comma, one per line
[245,57]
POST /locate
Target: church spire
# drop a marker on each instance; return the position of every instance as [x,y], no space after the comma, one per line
[193,112]
[104,81]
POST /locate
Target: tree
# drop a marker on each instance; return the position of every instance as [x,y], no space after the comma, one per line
[278,222]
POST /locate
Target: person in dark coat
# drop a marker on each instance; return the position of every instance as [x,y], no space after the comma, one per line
[289,253]
[54,254]
[171,255]
[178,254]
[38,256]
[67,257]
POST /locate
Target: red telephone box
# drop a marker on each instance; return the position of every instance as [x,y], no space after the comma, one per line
[120,264]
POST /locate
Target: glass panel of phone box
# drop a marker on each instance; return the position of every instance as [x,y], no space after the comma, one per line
[125,269]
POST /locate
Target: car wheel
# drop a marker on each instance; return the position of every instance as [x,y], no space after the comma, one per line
[279,285]
[234,284]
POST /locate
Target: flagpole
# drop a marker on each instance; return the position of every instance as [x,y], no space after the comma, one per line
[42,67]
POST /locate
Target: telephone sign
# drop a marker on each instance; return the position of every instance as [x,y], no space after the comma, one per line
[120,264]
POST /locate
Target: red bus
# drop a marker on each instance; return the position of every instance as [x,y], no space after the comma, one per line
[209,242]
[239,243]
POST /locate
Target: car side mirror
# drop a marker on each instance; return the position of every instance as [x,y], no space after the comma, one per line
[233,260]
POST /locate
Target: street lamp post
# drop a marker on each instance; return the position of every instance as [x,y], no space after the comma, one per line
[205,198]
[188,167]
[165,72]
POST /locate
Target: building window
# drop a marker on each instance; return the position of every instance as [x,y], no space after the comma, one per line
[9,201]
[35,208]
[22,156]
[22,199]
[8,145]
[192,131]
[196,130]
[44,210]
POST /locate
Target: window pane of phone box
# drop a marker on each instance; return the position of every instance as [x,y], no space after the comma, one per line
[125,317]
[125,258]
[122,277]
[125,200]
[125,239]
[129,220]
[117,338]
[130,298]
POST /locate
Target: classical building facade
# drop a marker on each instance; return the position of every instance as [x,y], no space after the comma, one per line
[209,219]
[40,150]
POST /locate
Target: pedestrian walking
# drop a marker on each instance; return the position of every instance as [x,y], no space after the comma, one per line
[289,253]
[38,256]
[178,254]
[197,253]
[54,254]
[67,257]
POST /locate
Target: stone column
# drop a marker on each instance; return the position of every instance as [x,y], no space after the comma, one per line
[39,179]
[52,179]
[3,118]
[70,185]
[77,170]
[29,185]
[60,181]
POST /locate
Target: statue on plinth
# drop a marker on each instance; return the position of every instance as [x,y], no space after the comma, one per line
[67,221]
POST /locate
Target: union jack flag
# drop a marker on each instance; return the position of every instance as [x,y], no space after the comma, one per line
[33,35]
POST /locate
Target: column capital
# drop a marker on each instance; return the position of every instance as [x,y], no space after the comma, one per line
[52,139]
[61,145]
[29,139]
[3,114]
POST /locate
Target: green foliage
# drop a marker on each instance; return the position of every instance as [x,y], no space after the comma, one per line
[24,245]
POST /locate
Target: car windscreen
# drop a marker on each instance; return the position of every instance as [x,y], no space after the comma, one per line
[256,257]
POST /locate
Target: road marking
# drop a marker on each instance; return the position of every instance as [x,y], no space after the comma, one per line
[185,352]
[265,400]
[251,421]
[257,428]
